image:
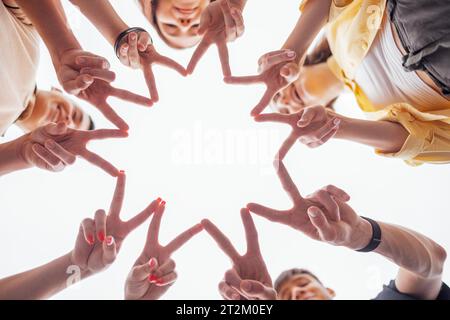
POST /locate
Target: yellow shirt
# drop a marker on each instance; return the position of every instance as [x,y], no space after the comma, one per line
[351,30]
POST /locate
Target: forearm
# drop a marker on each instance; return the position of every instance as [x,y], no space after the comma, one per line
[386,136]
[312,20]
[42,282]
[51,24]
[10,157]
[102,14]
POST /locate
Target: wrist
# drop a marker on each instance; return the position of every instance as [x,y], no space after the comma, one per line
[74,268]
[13,156]
[361,235]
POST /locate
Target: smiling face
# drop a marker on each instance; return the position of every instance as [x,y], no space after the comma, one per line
[53,106]
[177,21]
[316,85]
[304,287]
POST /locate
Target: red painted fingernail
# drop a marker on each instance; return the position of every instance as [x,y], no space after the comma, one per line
[109,240]
[152,278]
[158,282]
[152,263]
[101,236]
[163,203]
[159,199]
[90,239]
[122,171]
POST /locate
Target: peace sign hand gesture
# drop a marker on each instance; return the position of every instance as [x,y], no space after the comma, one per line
[154,271]
[220,23]
[138,52]
[277,70]
[313,126]
[297,217]
[55,146]
[100,239]
[248,279]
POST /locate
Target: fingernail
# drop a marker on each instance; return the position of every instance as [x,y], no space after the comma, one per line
[106,65]
[163,203]
[133,36]
[291,54]
[122,171]
[152,278]
[109,241]
[159,283]
[312,212]
[246,286]
[337,121]
[50,143]
[235,296]
[152,262]
[101,236]
[90,239]
[158,200]
[88,79]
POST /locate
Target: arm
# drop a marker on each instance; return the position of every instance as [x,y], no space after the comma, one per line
[41,282]
[102,14]
[10,159]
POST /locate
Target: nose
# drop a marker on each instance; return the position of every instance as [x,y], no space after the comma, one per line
[185,22]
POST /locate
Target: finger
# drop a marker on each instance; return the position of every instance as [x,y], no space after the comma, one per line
[224,58]
[329,135]
[244,79]
[256,290]
[233,279]
[290,72]
[273,117]
[142,272]
[197,55]
[100,74]
[287,183]
[88,228]
[151,82]
[131,97]
[282,57]
[286,146]
[230,26]
[205,22]
[251,233]
[238,21]
[92,61]
[268,213]
[119,195]
[167,280]
[140,218]
[222,241]
[330,205]
[100,225]
[164,269]
[319,221]
[112,116]
[338,193]
[227,292]
[264,102]
[183,238]
[123,53]
[153,230]
[325,130]
[45,155]
[55,129]
[109,250]
[133,53]
[98,161]
[172,64]
[59,152]
[80,83]
[310,115]
[144,41]
[103,134]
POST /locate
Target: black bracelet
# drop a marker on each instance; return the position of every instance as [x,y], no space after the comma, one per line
[123,35]
[376,236]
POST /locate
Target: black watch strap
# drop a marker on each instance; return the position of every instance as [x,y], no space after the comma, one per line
[123,35]
[376,236]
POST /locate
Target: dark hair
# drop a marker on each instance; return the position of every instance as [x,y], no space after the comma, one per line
[286,275]
[91,124]
[154,23]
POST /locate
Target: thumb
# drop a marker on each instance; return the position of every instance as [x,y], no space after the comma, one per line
[290,72]
[257,290]
[56,129]
[109,250]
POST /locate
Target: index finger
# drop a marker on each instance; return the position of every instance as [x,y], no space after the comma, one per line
[102,134]
[119,193]
[92,61]
[264,102]
[98,161]
[287,183]
[224,58]
[197,55]
[273,117]
[151,82]
[222,241]
[131,97]
[184,237]
[166,61]
[112,116]
[251,233]
[153,229]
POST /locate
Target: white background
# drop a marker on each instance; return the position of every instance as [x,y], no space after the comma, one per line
[211,177]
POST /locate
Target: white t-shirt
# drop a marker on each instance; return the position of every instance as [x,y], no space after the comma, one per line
[384,81]
[19,60]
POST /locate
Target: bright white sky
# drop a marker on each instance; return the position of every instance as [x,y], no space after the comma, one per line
[199,150]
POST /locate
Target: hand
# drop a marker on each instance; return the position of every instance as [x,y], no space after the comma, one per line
[248,278]
[220,23]
[297,217]
[154,271]
[277,71]
[313,126]
[100,239]
[55,146]
[350,230]
[138,52]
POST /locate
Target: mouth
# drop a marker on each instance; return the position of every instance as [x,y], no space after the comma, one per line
[186,11]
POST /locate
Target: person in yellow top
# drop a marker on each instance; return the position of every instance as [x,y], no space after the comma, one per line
[392,55]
